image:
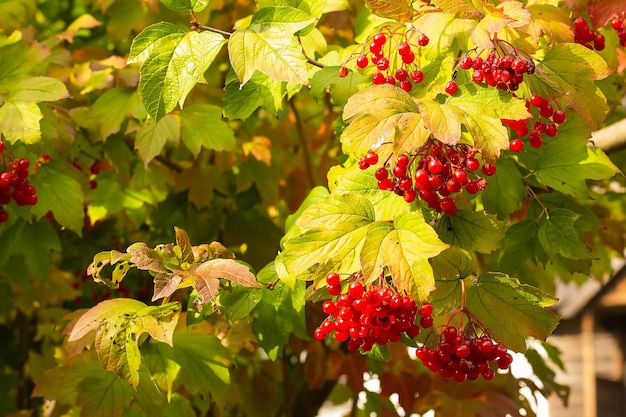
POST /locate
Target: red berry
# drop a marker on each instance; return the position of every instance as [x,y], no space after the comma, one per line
[343,72]
[375,49]
[489,169]
[466,62]
[426,309]
[538,101]
[410,195]
[381,174]
[408,58]
[371,157]
[404,48]
[378,78]
[426,322]
[401,74]
[417,76]
[435,166]
[617,23]
[516,145]
[333,278]
[356,289]
[380,39]
[580,24]
[559,116]
[362,61]
[422,40]
[451,87]
[406,86]
[334,289]
[402,161]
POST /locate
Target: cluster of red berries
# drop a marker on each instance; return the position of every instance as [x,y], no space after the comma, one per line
[363,317]
[586,36]
[618,25]
[14,184]
[505,72]
[433,173]
[548,127]
[386,71]
[462,356]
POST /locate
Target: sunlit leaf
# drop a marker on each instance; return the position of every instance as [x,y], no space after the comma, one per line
[174,61]
[203,127]
[472,231]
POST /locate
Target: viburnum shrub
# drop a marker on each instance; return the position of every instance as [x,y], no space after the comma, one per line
[388,192]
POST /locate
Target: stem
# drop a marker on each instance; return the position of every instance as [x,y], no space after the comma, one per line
[536,198]
[212,29]
[308,166]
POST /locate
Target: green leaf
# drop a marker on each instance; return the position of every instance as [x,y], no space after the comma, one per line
[202,126]
[151,137]
[510,310]
[174,61]
[111,109]
[340,89]
[506,190]
[38,89]
[279,314]
[238,302]
[104,395]
[61,194]
[276,54]
[404,247]
[521,244]
[162,364]
[240,101]
[565,166]
[452,264]
[568,70]
[158,321]
[35,241]
[472,231]
[204,361]
[379,114]
[558,236]
[184,5]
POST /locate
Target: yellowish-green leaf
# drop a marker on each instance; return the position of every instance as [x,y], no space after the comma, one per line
[443,120]
[151,137]
[403,247]
[552,21]
[276,54]
[20,122]
[280,19]
[381,114]
[117,350]
[400,10]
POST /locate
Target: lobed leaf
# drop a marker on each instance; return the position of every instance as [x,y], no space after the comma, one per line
[510,310]
[381,114]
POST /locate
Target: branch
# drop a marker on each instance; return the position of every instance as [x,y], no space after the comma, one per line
[611,138]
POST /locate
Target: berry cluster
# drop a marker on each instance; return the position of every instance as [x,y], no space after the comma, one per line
[364,316]
[586,36]
[618,25]
[14,183]
[433,173]
[461,355]
[502,71]
[386,72]
[549,126]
